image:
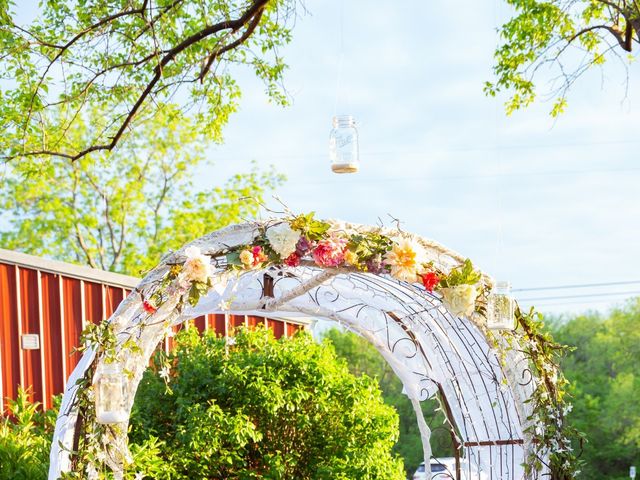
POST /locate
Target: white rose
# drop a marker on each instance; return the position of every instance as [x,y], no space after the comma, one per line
[283,239]
[196,268]
[460,300]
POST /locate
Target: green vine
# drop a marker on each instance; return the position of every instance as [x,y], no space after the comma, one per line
[94,455]
[302,237]
[555,444]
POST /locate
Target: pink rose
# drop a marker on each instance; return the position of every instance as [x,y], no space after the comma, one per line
[330,252]
[258,256]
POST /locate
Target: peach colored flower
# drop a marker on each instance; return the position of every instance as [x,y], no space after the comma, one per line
[246,257]
[405,258]
[253,257]
[197,267]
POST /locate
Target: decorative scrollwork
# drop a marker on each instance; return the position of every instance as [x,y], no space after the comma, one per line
[435,354]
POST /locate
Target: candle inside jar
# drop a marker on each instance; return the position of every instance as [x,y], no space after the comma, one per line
[344,167]
[501,307]
[343,145]
[110,396]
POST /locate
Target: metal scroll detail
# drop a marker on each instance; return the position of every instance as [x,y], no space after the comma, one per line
[435,354]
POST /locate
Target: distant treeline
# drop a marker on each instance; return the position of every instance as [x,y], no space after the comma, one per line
[603,368]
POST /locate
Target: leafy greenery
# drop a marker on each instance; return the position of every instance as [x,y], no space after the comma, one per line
[363,358]
[310,227]
[25,438]
[261,408]
[130,60]
[121,211]
[605,385]
[464,274]
[555,442]
[369,247]
[545,33]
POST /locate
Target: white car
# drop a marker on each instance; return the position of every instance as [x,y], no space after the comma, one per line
[441,469]
[444,468]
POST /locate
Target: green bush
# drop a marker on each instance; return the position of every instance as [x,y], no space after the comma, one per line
[25,438]
[263,408]
[362,357]
[260,408]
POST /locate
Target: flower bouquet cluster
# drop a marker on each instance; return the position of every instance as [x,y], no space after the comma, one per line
[190,280]
[302,239]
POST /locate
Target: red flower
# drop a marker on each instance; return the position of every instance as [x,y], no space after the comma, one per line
[258,255]
[430,280]
[292,260]
[148,307]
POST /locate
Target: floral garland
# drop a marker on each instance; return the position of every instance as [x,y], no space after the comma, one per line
[553,440]
[303,239]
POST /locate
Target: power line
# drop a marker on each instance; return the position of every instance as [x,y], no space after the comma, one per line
[440,178]
[374,153]
[581,285]
[589,295]
[575,302]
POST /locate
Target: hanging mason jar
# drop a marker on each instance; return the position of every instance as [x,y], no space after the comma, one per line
[110,398]
[501,308]
[343,145]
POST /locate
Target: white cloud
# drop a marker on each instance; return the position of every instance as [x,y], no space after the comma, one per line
[537,202]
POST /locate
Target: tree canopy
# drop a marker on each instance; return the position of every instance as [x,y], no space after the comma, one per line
[122,210]
[129,60]
[605,384]
[562,39]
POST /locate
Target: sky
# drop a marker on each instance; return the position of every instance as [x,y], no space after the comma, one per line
[532,200]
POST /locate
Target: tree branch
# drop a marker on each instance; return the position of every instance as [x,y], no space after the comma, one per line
[79,237]
[628,36]
[251,16]
[63,48]
[250,29]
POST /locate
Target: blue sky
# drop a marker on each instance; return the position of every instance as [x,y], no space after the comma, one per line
[531,200]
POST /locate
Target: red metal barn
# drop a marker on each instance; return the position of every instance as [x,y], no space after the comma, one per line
[45,305]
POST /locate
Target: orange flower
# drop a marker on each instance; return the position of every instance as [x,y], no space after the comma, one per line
[404,259]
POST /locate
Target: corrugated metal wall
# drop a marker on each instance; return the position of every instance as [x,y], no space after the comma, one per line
[52,302]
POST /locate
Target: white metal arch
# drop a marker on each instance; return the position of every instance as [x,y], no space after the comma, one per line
[429,349]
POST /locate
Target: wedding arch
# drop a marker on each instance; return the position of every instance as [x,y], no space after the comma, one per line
[424,308]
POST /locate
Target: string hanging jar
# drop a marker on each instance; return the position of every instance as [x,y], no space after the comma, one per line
[343,145]
[110,398]
[501,308]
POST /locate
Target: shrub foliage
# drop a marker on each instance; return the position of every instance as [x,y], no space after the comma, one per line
[264,408]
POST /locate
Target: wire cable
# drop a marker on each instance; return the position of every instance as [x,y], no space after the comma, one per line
[581,285]
[588,295]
